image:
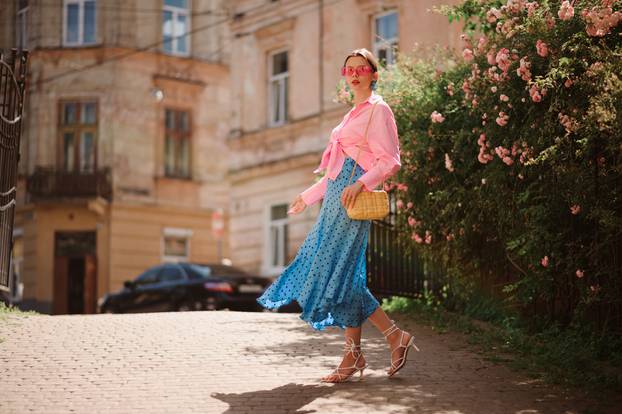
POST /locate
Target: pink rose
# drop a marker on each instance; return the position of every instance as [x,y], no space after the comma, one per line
[481,44]
[492,15]
[503,59]
[502,119]
[523,69]
[484,157]
[450,89]
[531,8]
[550,22]
[448,163]
[490,56]
[416,238]
[542,48]
[436,117]
[535,94]
[579,273]
[467,54]
[544,261]
[566,11]
[600,20]
[503,98]
[575,209]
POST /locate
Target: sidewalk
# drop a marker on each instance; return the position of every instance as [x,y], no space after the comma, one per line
[235,362]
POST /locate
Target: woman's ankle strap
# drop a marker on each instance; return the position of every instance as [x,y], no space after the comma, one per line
[390,329]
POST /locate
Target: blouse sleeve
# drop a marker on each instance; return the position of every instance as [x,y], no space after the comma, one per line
[314,193]
[383,141]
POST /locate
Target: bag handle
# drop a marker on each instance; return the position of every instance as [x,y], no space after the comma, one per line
[365,136]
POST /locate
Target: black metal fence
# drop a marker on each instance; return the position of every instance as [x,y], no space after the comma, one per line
[393,266]
[12,87]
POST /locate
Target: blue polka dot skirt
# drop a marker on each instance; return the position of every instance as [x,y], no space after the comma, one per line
[328,275]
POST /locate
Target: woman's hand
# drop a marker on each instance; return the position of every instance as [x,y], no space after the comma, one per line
[297,206]
[349,194]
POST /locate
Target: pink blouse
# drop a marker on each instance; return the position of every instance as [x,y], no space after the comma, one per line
[379,156]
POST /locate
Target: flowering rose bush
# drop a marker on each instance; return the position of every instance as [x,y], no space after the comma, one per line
[512,153]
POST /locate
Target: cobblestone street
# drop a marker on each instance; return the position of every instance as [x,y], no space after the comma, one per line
[234,362]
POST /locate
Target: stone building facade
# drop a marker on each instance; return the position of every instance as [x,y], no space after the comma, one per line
[123,150]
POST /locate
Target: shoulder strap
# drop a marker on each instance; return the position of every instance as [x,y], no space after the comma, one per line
[365,137]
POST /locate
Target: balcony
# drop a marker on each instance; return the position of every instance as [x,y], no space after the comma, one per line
[50,183]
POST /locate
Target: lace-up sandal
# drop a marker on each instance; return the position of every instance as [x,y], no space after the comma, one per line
[355,350]
[401,361]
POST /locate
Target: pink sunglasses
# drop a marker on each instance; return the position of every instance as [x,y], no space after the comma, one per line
[360,70]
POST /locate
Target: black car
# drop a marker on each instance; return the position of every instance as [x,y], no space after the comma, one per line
[187,286]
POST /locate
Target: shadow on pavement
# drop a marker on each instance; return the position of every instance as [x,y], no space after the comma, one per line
[272,401]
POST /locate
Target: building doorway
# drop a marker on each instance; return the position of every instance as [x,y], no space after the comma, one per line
[75,273]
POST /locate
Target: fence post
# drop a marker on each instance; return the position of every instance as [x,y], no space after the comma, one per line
[12,94]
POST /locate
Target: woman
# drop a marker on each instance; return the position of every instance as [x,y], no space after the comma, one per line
[328,275]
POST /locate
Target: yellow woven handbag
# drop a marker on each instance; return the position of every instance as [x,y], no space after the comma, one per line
[368,205]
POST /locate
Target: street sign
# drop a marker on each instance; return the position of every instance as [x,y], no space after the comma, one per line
[218,224]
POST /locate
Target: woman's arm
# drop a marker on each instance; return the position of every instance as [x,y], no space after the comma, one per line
[384,144]
[315,193]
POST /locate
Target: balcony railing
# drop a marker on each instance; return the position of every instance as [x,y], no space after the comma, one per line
[49,183]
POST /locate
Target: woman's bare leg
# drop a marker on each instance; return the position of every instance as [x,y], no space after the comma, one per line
[354,335]
[382,322]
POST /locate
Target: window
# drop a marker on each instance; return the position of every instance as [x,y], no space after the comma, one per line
[195,271]
[277,99]
[277,236]
[386,37]
[171,273]
[175,26]
[149,277]
[176,244]
[21,24]
[176,144]
[80,26]
[78,137]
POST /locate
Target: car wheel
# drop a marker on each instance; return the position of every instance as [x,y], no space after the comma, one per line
[184,307]
[210,304]
[191,305]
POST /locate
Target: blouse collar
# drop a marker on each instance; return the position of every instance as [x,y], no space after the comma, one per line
[371,99]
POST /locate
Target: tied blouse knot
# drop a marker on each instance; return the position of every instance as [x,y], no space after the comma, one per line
[379,156]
